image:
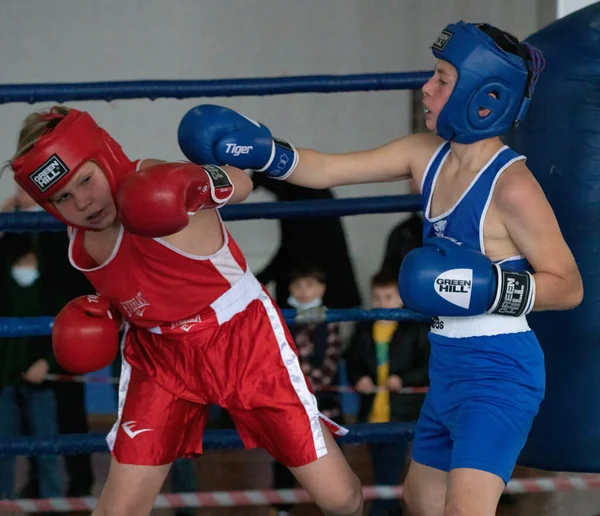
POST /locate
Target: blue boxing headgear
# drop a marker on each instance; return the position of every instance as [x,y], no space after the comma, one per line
[484,68]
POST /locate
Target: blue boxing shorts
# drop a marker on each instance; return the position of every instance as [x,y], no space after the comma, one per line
[487,381]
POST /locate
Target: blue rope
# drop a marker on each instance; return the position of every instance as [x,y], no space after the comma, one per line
[357,314]
[121,90]
[323,208]
[76,444]
[34,326]
[41,221]
[25,326]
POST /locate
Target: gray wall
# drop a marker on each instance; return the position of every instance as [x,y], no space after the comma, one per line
[96,40]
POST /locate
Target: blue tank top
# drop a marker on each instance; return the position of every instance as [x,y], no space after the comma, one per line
[464,221]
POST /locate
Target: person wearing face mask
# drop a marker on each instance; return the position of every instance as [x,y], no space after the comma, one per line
[319,344]
[24,363]
[319,348]
[35,271]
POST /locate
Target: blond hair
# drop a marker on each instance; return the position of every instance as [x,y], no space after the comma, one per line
[34,127]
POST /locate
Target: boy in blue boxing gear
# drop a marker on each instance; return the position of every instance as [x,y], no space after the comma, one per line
[486,370]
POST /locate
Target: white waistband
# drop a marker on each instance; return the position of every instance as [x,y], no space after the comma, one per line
[234,301]
[237,298]
[478,326]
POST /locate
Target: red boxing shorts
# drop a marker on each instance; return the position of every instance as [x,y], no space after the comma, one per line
[248,365]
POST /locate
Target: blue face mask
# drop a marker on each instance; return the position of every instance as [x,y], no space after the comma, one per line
[293,302]
[25,276]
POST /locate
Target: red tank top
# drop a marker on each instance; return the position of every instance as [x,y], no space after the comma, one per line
[156,286]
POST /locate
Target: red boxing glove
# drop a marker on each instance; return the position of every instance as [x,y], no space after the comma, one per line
[157,201]
[85,334]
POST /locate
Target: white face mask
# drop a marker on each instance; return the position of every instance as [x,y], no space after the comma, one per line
[292,301]
[25,275]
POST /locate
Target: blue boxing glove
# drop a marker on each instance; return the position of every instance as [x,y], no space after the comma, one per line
[210,134]
[446,278]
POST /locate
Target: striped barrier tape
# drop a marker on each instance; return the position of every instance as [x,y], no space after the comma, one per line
[263,497]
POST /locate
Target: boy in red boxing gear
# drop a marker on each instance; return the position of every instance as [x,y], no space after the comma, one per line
[200,329]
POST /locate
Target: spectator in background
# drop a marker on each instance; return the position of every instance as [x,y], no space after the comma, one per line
[58,283]
[24,364]
[319,349]
[383,358]
[319,345]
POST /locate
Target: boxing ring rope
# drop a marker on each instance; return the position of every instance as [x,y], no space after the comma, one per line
[42,221]
[33,326]
[75,444]
[115,380]
[123,90]
[16,326]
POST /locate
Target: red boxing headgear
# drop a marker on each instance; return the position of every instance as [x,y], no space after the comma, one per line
[58,154]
